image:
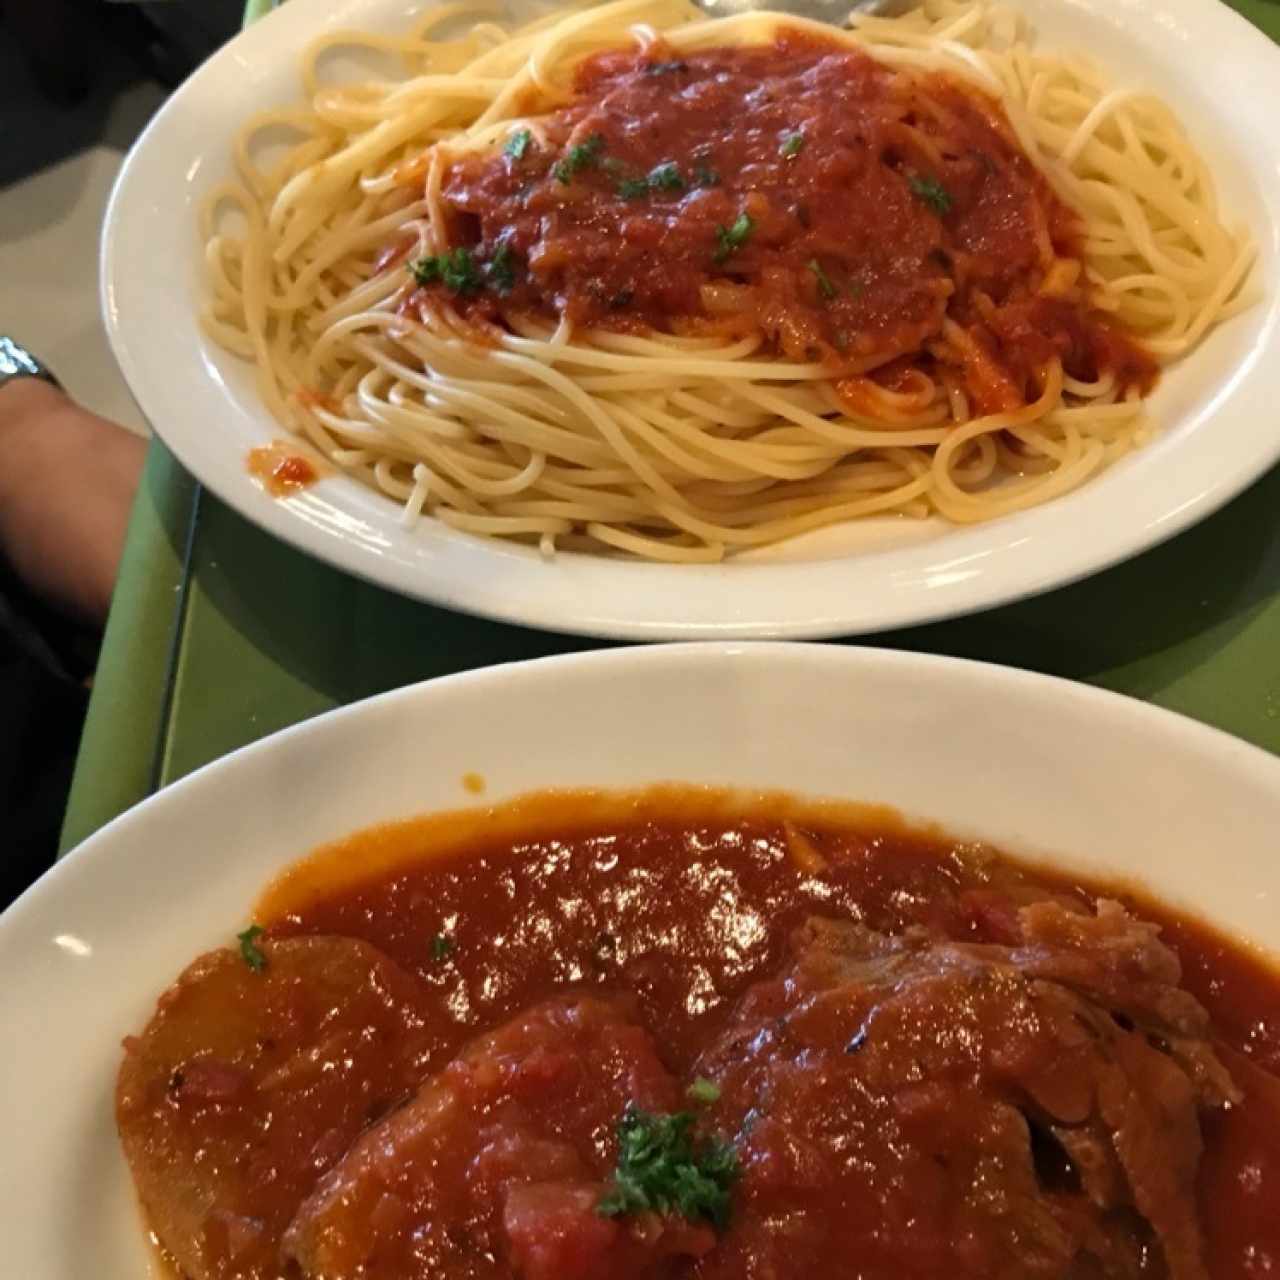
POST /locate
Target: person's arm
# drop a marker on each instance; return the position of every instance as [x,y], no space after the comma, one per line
[67,482]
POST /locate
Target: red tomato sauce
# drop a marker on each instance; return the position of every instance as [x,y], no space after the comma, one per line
[925,1057]
[688,903]
[281,469]
[801,191]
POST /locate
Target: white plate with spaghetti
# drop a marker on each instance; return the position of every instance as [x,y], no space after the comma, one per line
[628,322]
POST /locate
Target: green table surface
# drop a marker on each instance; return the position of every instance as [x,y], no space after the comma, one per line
[220,635]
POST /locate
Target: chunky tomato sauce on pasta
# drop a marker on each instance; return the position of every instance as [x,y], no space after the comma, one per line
[802,190]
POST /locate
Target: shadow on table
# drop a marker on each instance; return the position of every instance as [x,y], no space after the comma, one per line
[344,638]
[347,639]
[1181,601]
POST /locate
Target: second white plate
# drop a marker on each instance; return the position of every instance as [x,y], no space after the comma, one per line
[1102,785]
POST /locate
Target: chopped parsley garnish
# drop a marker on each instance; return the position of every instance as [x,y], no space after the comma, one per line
[441,947]
[518,144]
[704,1091]
[665,68]
[663,177]
[792,145]
[456,269]
[501,268]
[825,287]
[732,238]
[585,155]
[705,176]
[666,177]
[460,271]
[250,952]
[663,1169]
[425,270]
[932,192]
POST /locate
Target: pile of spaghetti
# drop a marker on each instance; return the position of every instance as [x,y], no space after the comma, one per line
[632,279]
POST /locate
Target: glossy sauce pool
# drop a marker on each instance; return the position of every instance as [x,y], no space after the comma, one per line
[688,897]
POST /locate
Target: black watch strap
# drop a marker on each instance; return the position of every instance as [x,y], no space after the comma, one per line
[17,362]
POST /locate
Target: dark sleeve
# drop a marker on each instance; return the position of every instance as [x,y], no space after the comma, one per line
[45,663]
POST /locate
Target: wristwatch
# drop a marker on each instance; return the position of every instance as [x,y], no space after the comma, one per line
[58,645]
[17,362]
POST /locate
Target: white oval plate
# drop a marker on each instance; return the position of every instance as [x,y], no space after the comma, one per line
[1099,783]
[1215,411]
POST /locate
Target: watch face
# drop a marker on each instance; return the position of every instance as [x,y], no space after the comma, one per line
[16,361]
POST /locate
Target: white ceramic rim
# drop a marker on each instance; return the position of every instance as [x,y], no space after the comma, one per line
[1216,411]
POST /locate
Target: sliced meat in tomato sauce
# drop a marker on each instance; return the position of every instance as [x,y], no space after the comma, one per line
[246,1086]
[498,1164]
[927,1059]
[935,1108]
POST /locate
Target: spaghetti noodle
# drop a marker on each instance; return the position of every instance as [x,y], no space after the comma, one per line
[631,279]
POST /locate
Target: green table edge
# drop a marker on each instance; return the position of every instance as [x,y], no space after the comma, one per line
[134,686]
[254,9]
[134,679]
[118,766]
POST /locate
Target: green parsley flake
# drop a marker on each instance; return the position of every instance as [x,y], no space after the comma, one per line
[792,145]
[825,287]
[662,1169]
[459,270]
[501,268]
[733,238]
[456,269]
[666,177]
[704,1091]
[663,177]
[518,144]
[705,176]
[441,947]
[250,952]
[425,270]
[585,155]
[932,192]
